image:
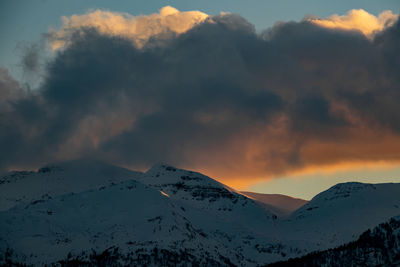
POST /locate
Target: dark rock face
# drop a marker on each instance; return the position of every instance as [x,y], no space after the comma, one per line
[14,176]
[200,193]
[193,185]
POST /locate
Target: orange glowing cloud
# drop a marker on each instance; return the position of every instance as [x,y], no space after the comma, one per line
[358,19]
[139,29]
[267,151]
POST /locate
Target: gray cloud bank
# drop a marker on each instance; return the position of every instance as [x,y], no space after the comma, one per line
[219,97]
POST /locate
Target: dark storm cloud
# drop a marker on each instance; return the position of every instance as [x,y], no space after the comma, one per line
[218,96]
[30,61]
[9,88]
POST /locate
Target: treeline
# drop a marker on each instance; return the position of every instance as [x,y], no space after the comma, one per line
[377,247]
[138,257]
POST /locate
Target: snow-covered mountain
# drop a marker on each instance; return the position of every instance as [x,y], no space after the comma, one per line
[164,209]
[206,194]
[341,213]
[58,179]
[88,212]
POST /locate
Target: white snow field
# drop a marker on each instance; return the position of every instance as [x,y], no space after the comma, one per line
[88,211]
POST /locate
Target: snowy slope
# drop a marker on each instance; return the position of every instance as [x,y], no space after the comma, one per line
[203,192]
[222,212]
[284,205]
[87,209]
[341,213]
[377,247]
[128,215]
[57,179]
[213,223]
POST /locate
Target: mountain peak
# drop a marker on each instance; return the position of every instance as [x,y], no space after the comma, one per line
[161,167]
[346,208]
[163,174]
[343,190]
[351,186]
[59,178]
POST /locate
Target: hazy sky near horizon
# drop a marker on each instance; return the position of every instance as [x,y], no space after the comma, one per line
[308,185]
[274,96]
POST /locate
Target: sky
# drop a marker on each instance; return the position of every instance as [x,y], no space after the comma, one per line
[286,97]
[23,22]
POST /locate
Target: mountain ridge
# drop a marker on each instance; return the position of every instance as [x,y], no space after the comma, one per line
[148,218]
[283,204]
